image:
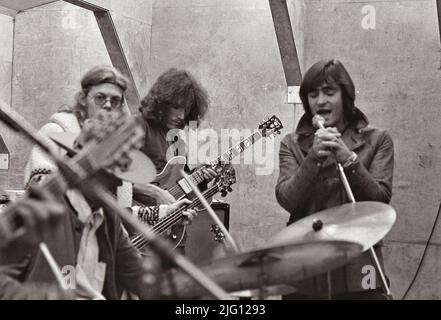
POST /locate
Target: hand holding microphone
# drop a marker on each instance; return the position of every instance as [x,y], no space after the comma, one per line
[328,141]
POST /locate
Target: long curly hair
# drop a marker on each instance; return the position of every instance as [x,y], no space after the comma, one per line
[95,76]
[175,88]
[329,71]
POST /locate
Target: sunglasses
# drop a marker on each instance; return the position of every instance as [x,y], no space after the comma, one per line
[101,100]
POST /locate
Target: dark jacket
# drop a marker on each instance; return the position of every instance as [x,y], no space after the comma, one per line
[306,186]
[124,265]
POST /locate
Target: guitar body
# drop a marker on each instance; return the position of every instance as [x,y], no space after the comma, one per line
[168,179]
[169,176]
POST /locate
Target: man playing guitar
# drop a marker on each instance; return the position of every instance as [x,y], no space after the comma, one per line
[174,100]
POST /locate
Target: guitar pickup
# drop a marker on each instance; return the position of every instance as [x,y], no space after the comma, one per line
[185,186]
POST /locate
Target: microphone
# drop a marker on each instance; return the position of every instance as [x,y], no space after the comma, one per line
[318,122]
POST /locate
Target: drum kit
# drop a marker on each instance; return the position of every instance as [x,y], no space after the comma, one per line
[311,246]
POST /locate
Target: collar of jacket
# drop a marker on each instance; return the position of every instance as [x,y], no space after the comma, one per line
[352,135]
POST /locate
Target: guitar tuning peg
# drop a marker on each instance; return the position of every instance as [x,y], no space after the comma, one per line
[223,193]
[229,189]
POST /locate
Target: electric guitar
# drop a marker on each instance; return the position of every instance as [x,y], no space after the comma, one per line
[222,184]
[170,178]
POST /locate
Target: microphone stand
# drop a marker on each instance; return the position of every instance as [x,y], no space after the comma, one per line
[75,173]
[372,253]
[318,121]
[212,214]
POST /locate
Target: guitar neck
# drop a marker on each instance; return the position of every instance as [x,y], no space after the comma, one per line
[197,176]
[174,217]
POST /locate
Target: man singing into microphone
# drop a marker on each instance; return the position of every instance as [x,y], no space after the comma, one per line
[309,181]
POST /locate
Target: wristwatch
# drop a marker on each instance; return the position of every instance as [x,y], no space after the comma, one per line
[352,158]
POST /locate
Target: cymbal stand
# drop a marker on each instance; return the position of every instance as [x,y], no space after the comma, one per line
[372,253]
[213,215]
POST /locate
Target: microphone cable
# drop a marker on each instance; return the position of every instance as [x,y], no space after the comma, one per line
[424,254]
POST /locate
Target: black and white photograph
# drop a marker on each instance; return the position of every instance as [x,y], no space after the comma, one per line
[249,151]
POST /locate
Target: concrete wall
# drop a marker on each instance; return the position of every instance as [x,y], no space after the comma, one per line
[6,40]
[396,69]
[54,46]
[391,48]
[296,9]
[231,47]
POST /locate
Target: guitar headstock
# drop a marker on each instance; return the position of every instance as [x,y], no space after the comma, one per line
[226,178]
[218,234]
[270,126]
[110,137]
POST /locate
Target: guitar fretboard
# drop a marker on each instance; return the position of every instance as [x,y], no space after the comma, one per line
[197,176]
[138,240]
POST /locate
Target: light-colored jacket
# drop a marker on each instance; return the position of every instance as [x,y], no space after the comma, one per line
[65,122]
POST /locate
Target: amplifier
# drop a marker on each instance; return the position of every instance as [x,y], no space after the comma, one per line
[201,244]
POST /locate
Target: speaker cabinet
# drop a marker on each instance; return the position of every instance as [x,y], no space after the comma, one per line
[201,244]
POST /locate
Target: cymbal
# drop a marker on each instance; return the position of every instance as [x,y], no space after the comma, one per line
[365,222]
[263,268]
[141,169]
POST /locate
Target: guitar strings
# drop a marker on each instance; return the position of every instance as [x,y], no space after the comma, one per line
[212,191]
[176,189]
[171,219]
